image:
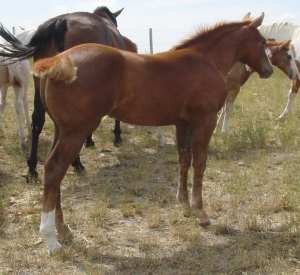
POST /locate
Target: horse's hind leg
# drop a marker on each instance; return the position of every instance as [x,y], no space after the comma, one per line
[291,97]
[25,103]
[3,92]
[20,111]
[63,153]
[38,120]
[223,119]
[228,107]
[221,116]
[117,133]
[201,134]
[183,138]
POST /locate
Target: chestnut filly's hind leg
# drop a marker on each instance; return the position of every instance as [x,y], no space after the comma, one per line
[183,137]
[291,97]
[64,152]
[201,134]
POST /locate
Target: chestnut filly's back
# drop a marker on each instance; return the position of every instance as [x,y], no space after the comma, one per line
[137,82]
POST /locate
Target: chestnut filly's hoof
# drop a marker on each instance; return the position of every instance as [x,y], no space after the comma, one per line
[202,216]
[64,233]
[53,246]
[48,232]
[51,240]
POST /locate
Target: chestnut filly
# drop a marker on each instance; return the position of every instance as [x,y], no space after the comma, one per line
[240,73]
[184,87]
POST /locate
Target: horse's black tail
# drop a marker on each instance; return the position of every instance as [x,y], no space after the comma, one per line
[14,50]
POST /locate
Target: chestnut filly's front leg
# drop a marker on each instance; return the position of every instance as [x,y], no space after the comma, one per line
[201,133]
[63,153]
[183,137]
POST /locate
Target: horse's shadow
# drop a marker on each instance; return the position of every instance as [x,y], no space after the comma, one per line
[244,251]
[238,251]
[137,172]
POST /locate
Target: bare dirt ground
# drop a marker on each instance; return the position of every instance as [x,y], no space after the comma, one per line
[123,212]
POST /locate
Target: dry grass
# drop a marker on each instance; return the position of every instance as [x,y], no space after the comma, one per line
[123,212]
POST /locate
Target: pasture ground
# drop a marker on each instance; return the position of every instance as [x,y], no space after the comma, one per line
[123,211]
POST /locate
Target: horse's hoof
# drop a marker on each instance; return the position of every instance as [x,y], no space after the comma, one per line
[54,248]
[281,118]
[80,169]
[117,142]
[184,206]
[161,142]
[24,148]
[202,216]
[186,210]
[89,143]
[32,177]
[65,234]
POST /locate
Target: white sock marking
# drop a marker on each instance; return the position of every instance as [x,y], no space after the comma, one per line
[48,231]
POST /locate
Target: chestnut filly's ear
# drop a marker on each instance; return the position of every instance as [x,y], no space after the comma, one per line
[247,16]
[258,21]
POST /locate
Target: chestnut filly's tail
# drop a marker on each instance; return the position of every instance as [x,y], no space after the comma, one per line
[58,68]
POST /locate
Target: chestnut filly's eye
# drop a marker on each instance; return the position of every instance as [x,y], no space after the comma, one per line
[289,57]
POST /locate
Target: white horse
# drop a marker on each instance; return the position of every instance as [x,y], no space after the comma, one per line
[17,75]
[287,31]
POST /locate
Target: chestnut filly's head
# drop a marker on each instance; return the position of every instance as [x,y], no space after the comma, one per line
[253,53]
[280,57]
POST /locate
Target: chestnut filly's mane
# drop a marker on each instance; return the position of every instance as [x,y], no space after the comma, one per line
[211,34]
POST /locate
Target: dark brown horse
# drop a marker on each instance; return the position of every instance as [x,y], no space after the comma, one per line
[54,36]
[184,87]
